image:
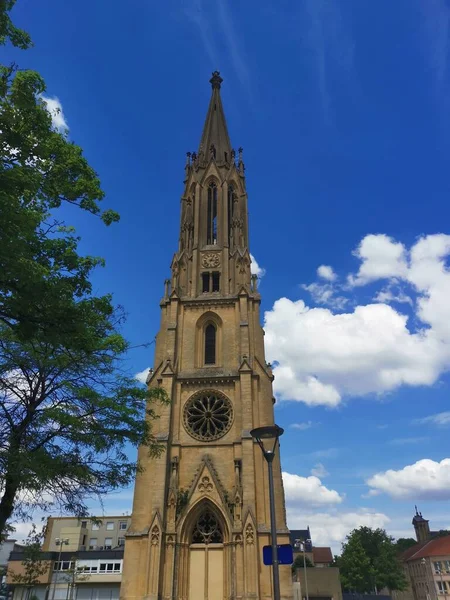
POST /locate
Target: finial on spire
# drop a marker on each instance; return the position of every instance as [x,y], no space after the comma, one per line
[216,80]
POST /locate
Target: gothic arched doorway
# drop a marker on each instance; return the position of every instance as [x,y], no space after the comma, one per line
[206,558]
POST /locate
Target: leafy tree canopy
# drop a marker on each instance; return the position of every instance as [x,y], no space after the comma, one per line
[299,564]
[369,562]
[403,544]
[68,409]
[8,31]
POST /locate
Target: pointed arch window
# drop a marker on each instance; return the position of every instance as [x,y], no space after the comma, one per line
[210,344]
[207,530]
[211,232]
[231,196]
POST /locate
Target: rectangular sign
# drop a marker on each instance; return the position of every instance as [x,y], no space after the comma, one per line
[285,554]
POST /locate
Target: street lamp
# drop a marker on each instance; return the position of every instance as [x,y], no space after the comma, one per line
[301,544]
[59,542]
[264,437]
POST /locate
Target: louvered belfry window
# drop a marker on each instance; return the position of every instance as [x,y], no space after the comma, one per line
[211,233]
[210,344]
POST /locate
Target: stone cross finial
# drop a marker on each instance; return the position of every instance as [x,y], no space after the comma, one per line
[216,80]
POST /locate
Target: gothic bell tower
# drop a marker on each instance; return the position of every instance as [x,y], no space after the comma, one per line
[201,510]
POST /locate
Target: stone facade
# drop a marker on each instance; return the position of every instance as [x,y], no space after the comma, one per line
[201,510]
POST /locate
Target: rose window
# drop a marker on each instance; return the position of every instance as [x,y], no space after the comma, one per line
[208,415]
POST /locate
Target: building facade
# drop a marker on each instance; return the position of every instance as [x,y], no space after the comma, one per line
[81,559]
[426,564]
[201,511]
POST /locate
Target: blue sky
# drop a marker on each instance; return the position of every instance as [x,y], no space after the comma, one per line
[342,109]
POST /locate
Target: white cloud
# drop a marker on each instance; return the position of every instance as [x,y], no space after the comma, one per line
[326,272]
[321,356]
[424,480]
[326,295]
[142,375]
[55,109]
[302,426]
[408,440]
[389,294]
[308,491]
[319,470]
[255,268]
[325,453]
[441,419]
[381,257]
[331,528]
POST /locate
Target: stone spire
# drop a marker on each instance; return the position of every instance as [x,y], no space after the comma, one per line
[215,141]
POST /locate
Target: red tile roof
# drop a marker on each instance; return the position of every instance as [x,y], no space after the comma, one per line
[435,547]
[322,555]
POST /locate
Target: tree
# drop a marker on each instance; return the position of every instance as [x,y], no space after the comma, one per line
[33,565]
[355,568]
[39,170]
[68,410]
[8,31]
[369,562]
[403,544]
[67,416]
[299,564]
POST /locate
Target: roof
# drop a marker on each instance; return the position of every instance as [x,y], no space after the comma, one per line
[322,554]
[435,547]
[215,132]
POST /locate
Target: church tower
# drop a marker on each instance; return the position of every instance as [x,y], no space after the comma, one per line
[201,510]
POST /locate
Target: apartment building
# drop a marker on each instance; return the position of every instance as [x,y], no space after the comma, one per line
[82,559]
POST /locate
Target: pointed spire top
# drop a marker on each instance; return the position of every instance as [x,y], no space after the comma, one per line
[216,80]
[215,142]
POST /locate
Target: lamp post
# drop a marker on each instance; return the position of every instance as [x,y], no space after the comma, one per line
[261,435]
[301,545]
[59,542]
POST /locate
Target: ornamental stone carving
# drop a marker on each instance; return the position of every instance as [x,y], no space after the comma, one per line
[249,534]
[205,485]
[210,260]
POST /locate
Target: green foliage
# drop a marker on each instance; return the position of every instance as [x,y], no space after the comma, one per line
[68,414]
[33,564]
[299,564]
[8,31]
[39,170]
[369,562]
[68,410]
[403,544]
[182,500]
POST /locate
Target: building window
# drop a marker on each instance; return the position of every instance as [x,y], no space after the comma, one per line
[108,543]
[109,525]
[442,587]
[207,530]
[210,344]
[230,209]
[205,282]
[95,526]
[437,567]
[92,543]
[63,566]
[121,541]
[123,525]
[216,282]
[83,524]
[211,232]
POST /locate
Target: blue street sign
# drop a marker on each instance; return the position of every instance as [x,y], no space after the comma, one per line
[285,554]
